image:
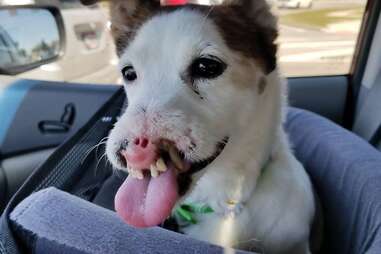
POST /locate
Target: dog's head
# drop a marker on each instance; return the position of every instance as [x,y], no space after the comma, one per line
[192,76]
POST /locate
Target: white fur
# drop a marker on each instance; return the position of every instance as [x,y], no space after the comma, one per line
[257,169]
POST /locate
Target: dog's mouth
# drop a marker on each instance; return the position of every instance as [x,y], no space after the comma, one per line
[147,197]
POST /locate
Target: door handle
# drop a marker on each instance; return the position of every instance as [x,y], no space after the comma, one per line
[61,126]
[52,127]
[68,114]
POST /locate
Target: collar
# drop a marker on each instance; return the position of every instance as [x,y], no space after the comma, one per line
[185,214]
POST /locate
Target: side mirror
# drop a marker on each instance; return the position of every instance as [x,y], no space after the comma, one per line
[30,36]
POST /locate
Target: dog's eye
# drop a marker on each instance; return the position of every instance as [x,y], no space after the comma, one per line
[129,74]
[207,67]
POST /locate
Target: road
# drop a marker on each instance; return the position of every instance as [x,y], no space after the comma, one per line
[311,52]
[305,52]
[318,5]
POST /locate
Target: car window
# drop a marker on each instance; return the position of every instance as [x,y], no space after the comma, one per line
[27,44]
[67,4]
[5,54]
[316,37]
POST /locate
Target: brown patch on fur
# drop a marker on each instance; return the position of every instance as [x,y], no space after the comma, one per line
[127,17]
[88,2]
[247,26]
[247,32]
[245,72]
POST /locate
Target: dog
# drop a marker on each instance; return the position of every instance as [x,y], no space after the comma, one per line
[202,136]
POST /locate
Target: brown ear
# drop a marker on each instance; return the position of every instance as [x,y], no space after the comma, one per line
[89,2]
[126,17]
[252,29]
[257,10]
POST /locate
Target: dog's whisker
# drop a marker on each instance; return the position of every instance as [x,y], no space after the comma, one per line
[104,138]
[99,161]
[206,17]
[95,146]
[99,145]
[88,152]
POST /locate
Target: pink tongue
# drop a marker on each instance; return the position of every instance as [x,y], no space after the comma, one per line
[147,202]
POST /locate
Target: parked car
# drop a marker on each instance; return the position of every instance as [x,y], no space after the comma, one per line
[295,4]
[87,53]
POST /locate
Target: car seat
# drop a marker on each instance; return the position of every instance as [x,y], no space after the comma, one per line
[76,216]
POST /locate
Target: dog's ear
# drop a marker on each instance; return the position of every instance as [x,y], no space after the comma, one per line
[256,9]
[126,17]
[251,28]
[88,2]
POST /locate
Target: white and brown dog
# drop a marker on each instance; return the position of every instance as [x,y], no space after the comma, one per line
[203,126]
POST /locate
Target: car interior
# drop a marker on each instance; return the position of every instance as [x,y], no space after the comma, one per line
[57,189]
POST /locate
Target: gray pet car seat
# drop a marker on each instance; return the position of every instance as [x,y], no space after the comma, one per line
[345,170]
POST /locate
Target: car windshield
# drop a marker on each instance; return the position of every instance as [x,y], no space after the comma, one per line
[316,38]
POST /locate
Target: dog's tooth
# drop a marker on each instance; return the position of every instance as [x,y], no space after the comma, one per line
[132,172]
[154,171]
[160,165]
[176,158]
[139,174]
[153,166]
[135,173]
[166,145]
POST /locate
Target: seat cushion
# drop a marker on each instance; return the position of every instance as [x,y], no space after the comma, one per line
[346,173]
[345,170]
[53,221]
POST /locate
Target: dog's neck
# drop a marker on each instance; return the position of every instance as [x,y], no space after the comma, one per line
[249,148]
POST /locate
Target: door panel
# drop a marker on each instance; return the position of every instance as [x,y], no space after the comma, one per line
[36,117]
[17,168]
[49,113]
[325,96]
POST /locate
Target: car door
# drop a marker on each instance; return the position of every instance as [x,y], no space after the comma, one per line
[88,53]
[37,116]
[320,52]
